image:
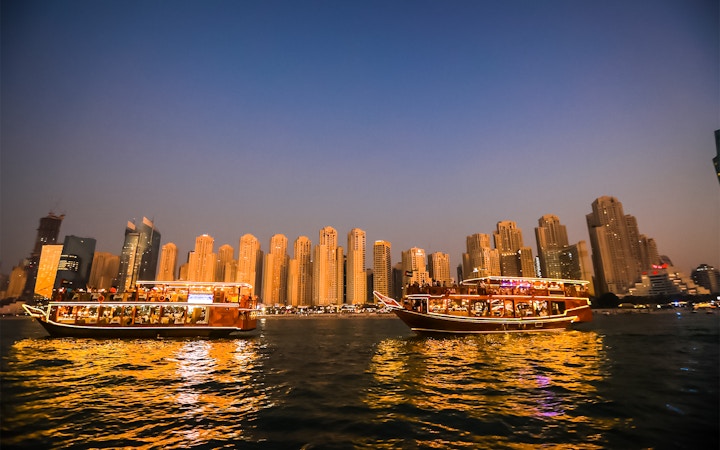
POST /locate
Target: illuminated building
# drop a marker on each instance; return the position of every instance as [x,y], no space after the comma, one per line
[275,269]
[47,270]
[168,262]
[414,267]
[356,276]
[575,264]
[75,263]
[551,237]
[225,270]
[509,243]
[480,259]
[104,270]
[300,273]
[139,255]
[439,268]
[708,277]
[382,267]
[664,280]
[201,261]
[616,268]
[327,276]
[250,262]
[47,234]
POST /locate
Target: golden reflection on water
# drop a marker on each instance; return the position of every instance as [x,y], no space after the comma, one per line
[140,393]
[529,384]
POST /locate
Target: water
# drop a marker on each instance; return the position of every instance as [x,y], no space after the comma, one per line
[629,381]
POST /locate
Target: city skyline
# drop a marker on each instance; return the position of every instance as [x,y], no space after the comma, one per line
[416,123]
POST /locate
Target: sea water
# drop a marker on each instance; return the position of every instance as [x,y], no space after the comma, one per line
[632,381]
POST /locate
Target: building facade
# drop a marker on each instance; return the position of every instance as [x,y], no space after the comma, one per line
[139,255]
[382,268]
[356,275]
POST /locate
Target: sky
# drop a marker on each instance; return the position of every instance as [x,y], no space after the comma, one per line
[420,122]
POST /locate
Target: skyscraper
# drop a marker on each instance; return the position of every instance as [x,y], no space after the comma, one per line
[202,260]
[103,273]
[382,268]
[275,272]
[356,276]
[250,262]
[168,262]
[439,268]
[615,267]
[327,269]
[414,267]
[480,259]
[302,266]
[551,237]
[139,256]
[515,259]
[75,262]
[225,270]
[47,233]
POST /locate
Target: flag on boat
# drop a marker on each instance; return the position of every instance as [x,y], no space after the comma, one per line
[387,301]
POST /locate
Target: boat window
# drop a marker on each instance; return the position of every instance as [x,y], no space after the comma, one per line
[197,315]
[524,309]
[509,308]
[105,314]
[145,314]
[88,314]
[540,307]
[557,307]
[497,307]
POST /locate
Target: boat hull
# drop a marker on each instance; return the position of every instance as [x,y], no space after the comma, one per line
[144,332]
[423,323]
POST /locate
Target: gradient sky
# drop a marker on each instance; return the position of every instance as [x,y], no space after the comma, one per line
[420,122]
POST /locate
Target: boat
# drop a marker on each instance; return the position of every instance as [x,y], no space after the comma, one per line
[153,309]
[493,304]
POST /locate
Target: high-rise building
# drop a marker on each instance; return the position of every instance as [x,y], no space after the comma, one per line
[382,268]
[414,267]
[225,270]
[48,269]
[104,270]
[356,276]
[708,277]
[439,268]
[551,237]
[575,264]
[47,234]
[168,262]
[202,260]
[327,269]
[250,264]
[480,259]
[509,243]
[275,272]
[615,267]
[139,256]
[301,273]
[75,262]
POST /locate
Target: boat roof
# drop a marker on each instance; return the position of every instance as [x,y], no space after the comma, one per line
[192,284]
[521,279]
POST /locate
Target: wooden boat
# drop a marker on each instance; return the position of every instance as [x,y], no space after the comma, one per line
[153,309]
[493,305]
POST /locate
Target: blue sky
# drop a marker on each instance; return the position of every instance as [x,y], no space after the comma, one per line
[420,122]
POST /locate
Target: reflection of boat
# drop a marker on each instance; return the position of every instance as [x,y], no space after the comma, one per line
[154,309]
[494,305]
